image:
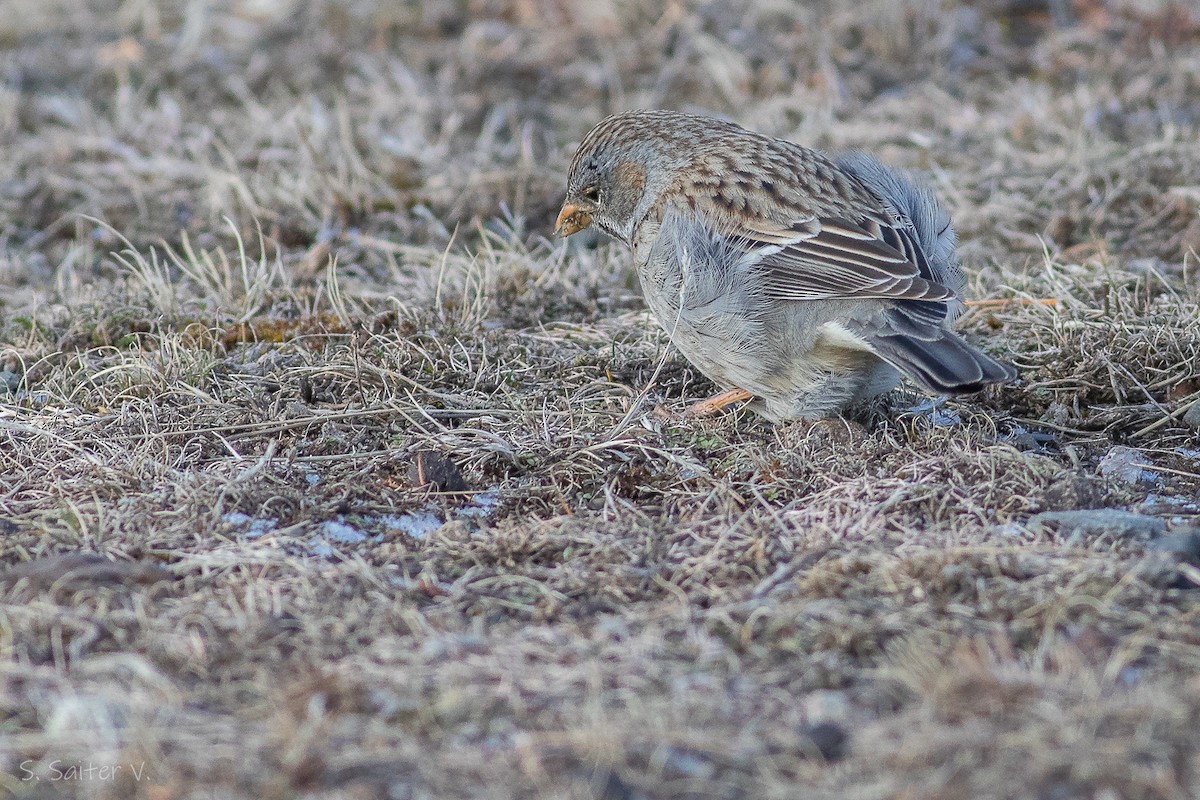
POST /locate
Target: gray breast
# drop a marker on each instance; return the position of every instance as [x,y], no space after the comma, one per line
[703,292]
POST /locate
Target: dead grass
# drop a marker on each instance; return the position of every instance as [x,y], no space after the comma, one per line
[276,286]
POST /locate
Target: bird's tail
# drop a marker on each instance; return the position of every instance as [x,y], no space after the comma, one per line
[913,335]
[934,357]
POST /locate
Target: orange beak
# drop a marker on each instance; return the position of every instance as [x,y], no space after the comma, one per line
[572,219]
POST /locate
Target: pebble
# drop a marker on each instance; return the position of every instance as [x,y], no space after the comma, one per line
[1126,464]
[9,381]
[79,569]
[1192,417]
[1184,546]
[829,739]
[1173,562]
[1072,525]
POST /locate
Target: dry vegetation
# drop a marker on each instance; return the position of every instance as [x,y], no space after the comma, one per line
[324,472]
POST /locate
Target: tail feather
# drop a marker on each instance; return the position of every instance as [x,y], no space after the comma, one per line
[945,366]
[934,357]
[912,335]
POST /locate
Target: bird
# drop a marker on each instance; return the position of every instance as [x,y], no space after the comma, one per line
[801,282]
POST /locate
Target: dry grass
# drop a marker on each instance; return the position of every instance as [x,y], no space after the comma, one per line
[325,473]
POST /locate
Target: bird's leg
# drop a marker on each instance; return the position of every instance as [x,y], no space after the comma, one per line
[712,405]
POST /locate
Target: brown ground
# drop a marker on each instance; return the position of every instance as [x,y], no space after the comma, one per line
[272,272]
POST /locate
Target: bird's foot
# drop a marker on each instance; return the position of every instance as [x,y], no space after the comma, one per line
[716,403]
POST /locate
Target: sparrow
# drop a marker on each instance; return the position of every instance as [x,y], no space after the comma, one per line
[802,282]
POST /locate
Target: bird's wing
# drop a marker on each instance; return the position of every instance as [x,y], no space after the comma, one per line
[833,258]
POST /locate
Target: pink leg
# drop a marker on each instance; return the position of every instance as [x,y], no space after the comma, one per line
[717,402]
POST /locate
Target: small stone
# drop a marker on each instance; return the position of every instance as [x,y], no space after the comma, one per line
[75,570]
[829,739]
[1126,464]
[432,470]
[9,381]
[1183,546]
[1173,562]
[1073,525]
[1192,417]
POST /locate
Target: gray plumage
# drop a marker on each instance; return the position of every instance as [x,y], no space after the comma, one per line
[913,336]
[808,282]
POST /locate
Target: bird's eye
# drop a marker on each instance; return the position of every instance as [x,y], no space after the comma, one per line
[591,194]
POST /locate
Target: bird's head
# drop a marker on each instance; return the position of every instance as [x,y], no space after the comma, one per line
[604,188]
[622,166]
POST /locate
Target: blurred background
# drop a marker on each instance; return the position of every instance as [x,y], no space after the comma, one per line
[343,125]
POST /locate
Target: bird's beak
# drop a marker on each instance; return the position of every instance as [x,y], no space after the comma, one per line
[572,219]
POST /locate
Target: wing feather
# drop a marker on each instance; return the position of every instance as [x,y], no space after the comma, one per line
[823,259]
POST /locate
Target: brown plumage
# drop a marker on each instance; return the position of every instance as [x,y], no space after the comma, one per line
[805,282]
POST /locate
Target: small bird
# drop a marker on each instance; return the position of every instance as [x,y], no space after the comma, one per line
[803,283]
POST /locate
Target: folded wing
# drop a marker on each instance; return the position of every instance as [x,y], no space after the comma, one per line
[882,258]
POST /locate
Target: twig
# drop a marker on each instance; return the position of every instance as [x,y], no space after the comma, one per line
[1189,401]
